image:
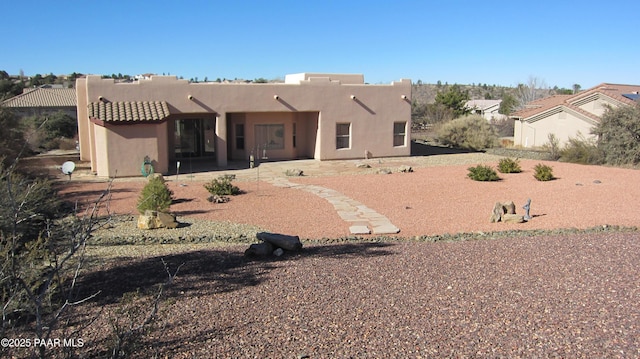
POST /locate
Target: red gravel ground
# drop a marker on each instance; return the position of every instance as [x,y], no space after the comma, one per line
[564,296]
[431,200]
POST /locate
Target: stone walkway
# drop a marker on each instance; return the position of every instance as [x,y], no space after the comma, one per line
[362,219]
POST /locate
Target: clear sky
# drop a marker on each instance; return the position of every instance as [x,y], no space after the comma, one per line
[560,42]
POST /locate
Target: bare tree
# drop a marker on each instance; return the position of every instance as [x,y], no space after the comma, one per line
[39,270]
[534,89]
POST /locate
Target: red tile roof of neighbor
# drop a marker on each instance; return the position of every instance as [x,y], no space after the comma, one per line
[613,91]
[140,111]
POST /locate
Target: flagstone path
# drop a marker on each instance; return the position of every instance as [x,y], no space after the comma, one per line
[362,219]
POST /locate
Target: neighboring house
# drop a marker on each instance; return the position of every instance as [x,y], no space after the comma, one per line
[486,108]
[567,116]
[44,100]
[320,116]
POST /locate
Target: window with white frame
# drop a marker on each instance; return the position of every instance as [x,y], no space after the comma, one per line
[399,134]
[343,135]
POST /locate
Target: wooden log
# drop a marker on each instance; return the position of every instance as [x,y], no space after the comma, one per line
[263,249]
[290,243]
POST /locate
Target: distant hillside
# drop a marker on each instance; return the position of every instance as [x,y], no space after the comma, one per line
[426,93]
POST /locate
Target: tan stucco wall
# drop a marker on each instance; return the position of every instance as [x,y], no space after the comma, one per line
[319,102]
[563,125]
[120,149]
[599,106]
[83,123]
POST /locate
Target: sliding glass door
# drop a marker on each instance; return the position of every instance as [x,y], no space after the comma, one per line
[195,138]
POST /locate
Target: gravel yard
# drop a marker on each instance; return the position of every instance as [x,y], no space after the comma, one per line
[558,293]
[565,296]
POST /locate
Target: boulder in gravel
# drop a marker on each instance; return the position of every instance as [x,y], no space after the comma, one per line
[500,209]
[273,244]
[166,220]
[512,218]
[405,169]
[153,219]
[146,222]
[293,172]
[290,243]
[218,199]
[261,250]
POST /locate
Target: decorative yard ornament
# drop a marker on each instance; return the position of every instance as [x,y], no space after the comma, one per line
[527,207]
[68,167]
[147,167]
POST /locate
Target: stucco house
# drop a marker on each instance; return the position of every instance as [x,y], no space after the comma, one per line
[310,115]
[43,100]
[567,116]
[486,108]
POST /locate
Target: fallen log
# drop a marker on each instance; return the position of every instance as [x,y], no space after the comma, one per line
[290,243]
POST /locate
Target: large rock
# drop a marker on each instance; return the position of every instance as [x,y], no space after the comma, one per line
[263,249]
[290,243]
[512,218]
[153,219]
[146,222]
[293,172]
[166,220]
[405,169]
[500,209]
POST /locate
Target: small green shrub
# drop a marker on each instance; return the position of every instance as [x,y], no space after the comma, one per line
[508,165]
[222,186]
[543,172]
[155,196]
[482,173]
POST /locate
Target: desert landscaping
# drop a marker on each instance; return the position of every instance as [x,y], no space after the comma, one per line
[449,284]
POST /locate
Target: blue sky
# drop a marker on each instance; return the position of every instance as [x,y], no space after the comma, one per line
[493,42]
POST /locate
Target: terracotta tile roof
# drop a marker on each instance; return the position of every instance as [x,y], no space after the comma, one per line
[140,111]
[573,102]
[614,91]
[44,97]
[541,105]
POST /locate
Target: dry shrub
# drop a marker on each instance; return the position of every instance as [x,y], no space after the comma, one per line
[471,132]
